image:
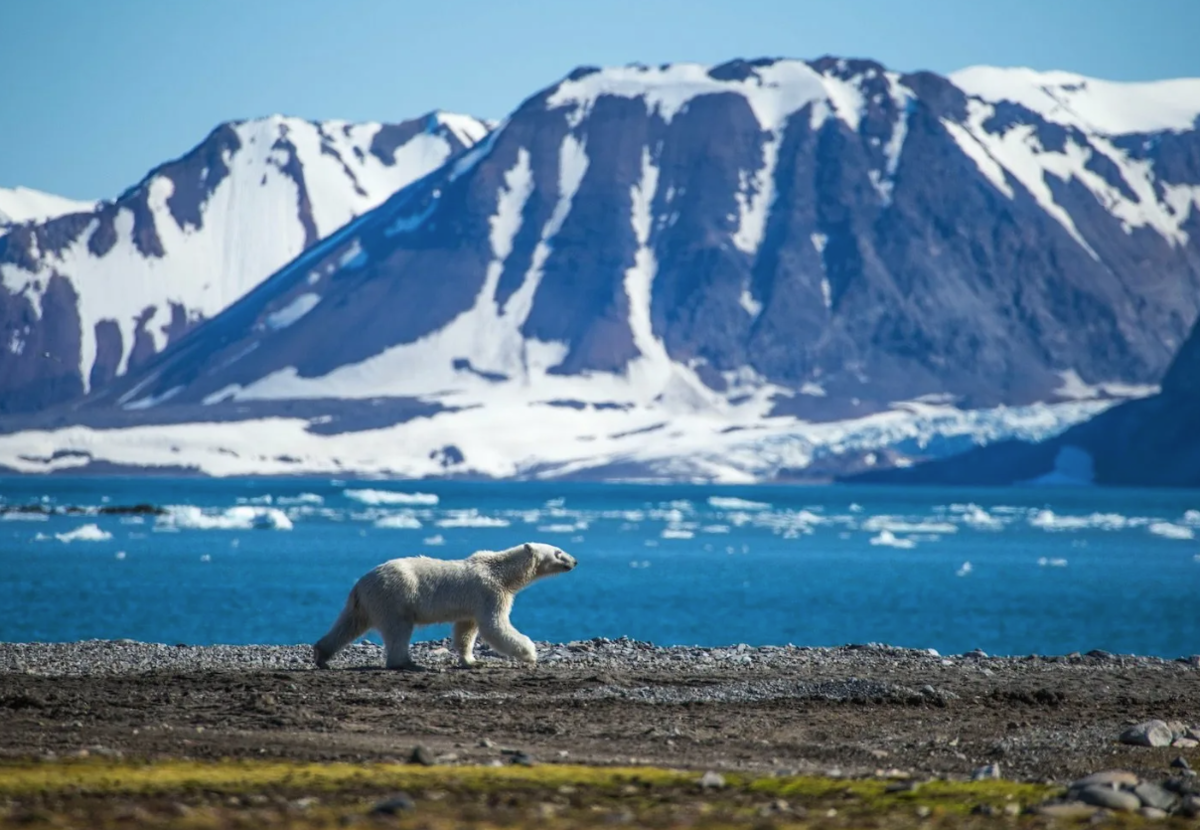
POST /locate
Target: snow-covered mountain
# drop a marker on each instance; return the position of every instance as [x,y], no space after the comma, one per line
[88,295]
[753,270]
[22,204]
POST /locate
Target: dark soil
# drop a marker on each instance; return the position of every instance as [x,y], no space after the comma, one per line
[856,711]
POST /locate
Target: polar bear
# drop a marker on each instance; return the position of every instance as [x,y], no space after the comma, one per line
[476,594]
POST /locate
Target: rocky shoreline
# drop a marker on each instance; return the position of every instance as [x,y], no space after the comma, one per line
[90,657]
[906,715]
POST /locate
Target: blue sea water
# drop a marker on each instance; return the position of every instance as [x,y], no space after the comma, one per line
[1011,571]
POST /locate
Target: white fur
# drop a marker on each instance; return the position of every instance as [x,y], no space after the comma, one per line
[476,594]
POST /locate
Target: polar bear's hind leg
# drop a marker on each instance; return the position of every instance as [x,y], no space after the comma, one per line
[396,637]
[350,624]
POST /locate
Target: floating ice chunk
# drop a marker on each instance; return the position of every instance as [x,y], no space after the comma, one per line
[559,528]
[1048,520]
[242,517]
[899,525]
[205,557]
[24,517]
[375,497]
[964,569]
[120,555]
[1171,531]
[86,533]
[1044,561]
[889,539]
[733,503]
[435,540]
[676,533]
[303,498]
[267,499]
[715,529]
[472,518]
[401,522]
[980,519]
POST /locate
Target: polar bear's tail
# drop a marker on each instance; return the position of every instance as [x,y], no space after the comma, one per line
[351,623]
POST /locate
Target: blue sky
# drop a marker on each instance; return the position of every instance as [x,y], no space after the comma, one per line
[97,93]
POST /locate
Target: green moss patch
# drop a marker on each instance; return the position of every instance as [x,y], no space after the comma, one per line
[106,794]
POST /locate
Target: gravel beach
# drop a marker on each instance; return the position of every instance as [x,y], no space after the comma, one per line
[847,711]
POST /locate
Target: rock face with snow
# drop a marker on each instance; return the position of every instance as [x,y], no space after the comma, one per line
[691,269]
[1150,442]
[92,291]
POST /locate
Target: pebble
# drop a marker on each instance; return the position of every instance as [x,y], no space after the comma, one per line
[1067,810]
[1181,763]
[1152,795]
[1150,733]
[990,771]
[1108,778]
[398,803]
[421,755]
[712,781]
[1102,796]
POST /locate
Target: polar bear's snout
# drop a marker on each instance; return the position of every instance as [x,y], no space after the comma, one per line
[555,561]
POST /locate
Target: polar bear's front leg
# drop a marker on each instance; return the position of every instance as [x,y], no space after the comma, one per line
[500,635]
[465,632]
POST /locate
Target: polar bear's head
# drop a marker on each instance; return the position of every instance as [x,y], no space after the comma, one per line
[549,560]
[518,566]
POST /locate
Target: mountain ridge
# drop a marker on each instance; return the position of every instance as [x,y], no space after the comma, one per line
[20,205]
[191,237]
[785,249]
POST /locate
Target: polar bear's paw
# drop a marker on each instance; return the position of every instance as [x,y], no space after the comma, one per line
[320,658]
[528,652]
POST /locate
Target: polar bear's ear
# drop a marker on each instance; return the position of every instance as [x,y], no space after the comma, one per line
[528,549]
